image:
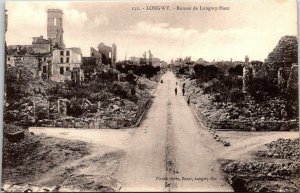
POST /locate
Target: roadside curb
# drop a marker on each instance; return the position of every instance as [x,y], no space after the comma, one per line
[212,131]
[198,118]
[147,106]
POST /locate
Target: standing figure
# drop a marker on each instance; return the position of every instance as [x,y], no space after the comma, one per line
[175,90]
[189,100]
[183,91]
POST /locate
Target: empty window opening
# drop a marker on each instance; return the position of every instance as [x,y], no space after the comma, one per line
[44,69]
[62,53]
[68,53]
[61,70]
[68,60]
[67,68]
[61,60]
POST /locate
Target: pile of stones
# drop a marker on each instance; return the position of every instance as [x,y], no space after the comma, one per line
[270,175]
[263,170]
[282,148]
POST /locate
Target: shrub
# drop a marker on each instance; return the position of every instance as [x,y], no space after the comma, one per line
[232,82]
[118,90]
[260,87]
[75,108]
[183,70]
[236,95]
[207,72]
[236,71]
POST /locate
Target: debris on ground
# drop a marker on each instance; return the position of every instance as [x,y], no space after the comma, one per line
[246,115]
[279,173]
[282,148]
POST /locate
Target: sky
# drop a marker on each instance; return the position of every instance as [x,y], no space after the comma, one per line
[250,28]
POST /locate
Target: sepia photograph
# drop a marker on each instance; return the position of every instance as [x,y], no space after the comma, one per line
[139,96]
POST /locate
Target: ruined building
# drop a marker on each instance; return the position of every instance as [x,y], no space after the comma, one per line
[105,55]
[55,28]
[34,56]
[48,58]
[66,65]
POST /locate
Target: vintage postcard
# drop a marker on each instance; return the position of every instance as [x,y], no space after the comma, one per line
[105,96]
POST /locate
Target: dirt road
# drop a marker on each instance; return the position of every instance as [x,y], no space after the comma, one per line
[170,143]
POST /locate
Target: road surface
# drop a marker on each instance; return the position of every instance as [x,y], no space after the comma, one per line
[171,143]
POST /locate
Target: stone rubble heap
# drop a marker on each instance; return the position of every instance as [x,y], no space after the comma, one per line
[282,148]
[263,170]
[113,112]
[261,175]
[246,116]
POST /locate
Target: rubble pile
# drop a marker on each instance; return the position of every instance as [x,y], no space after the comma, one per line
[282,148]
[106,108]
[118,113]
[263,170]
[11,128]
[270,175]
[26,111]
[258,176]
[247,115]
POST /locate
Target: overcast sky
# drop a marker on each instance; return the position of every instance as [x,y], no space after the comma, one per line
[249,28]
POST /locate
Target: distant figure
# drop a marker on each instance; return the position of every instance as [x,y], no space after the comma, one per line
[175,90]
[189,100]
[183,91]
[161,81]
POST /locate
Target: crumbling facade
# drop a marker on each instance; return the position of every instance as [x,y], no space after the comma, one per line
[41,45]
[33,56]
[66,65]
[105,55]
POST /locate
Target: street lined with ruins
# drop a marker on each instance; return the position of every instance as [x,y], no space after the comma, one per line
[159,142]
[147,156]
[126,99]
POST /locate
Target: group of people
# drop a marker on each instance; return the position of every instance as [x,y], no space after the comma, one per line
[183,92]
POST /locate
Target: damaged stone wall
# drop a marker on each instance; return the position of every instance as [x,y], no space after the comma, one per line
[64,62]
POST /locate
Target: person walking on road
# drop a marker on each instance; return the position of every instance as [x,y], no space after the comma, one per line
[175,91]
[189,100]
[183,91]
